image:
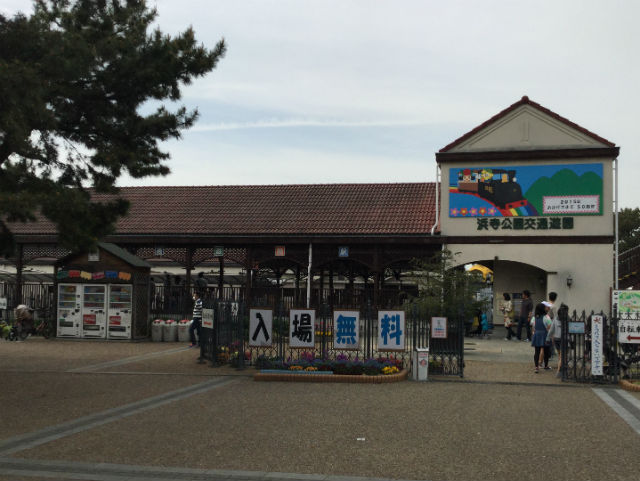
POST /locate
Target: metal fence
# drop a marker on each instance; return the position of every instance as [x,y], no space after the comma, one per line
[228,340]
[618,359]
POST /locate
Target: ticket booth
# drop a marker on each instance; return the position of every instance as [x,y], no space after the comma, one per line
[103,294]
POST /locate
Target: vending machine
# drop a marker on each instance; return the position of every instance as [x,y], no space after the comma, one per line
[69,310]
[94,310]
[119,313]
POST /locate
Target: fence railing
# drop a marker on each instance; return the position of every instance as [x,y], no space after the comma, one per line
[228,341]
[581,353]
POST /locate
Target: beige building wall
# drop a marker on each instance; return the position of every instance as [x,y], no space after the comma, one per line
[589,265]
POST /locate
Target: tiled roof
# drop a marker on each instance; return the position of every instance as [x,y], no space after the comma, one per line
[526,101]
[317,209]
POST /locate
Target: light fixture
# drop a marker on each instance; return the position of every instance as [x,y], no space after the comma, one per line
[569,281]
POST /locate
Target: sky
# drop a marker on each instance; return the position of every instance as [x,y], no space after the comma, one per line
[324,91]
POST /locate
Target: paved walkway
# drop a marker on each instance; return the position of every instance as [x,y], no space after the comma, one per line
[140,411]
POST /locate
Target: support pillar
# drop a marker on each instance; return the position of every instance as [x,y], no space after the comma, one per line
[19,266]
[321,287]
[331,300]
[221,278]
[296,296]
[248,278]
[187,287]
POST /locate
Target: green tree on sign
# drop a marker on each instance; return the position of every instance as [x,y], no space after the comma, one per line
[82,86]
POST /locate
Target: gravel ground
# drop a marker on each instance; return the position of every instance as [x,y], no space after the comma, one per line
[495,427]
[38,354]
[436,431]
[32,401]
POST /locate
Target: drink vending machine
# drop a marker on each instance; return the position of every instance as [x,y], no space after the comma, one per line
[69,310]
[94,310]
[120,306]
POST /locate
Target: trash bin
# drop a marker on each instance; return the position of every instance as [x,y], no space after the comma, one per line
[420,369]
[183,330]
[156,330]
[170,331]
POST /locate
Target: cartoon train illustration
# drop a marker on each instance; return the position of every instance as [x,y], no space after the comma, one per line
[497,186]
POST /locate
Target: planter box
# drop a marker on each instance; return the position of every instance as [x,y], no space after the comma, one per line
[294,376]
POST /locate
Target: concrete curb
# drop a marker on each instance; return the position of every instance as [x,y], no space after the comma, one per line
[629,386]
[286,377]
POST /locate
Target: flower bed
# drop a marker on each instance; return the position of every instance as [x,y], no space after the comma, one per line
[318,376]
[342,369]
[633,386]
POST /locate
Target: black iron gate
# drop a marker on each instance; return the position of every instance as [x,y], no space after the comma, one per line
[620,360]
[228,341]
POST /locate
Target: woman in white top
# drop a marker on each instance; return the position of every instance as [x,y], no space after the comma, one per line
[506,308]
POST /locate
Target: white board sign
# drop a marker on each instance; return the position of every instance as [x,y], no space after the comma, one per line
[597,328]
[260,327]
[346,329]
[207,318]
[629,331]
[3,302]
[438,328]
[391,330]
[302,323]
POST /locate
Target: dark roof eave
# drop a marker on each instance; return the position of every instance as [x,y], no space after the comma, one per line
[528,155]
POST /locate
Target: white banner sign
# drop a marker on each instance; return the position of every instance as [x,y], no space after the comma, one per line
[438,328]
[302,323]
[597,328]
[3,302]
[260,327]
[207,318]
[391,330]
[346,328]
[571,204]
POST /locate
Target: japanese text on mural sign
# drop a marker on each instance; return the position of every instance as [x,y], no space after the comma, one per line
[346,329]
[391,330]
[596,345]
[571,204]
[525,223]
[302,328]
[260,327]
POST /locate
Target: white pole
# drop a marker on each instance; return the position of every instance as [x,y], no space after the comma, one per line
[615,167]
[309,277]
[437,198]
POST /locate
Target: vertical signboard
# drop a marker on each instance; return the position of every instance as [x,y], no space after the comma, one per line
[627,305]
[346,329]
[302,328]
[260,327]
[207,318]
[391,330]
[597,327]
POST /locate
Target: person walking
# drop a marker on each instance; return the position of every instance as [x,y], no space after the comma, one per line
[196,323]
[555,331]
[507,311]
[526,308]
[542,323]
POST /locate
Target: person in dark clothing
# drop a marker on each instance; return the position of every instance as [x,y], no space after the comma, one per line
[539,341]
[526,309]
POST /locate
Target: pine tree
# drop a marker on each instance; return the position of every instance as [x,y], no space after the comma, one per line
[74,78]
